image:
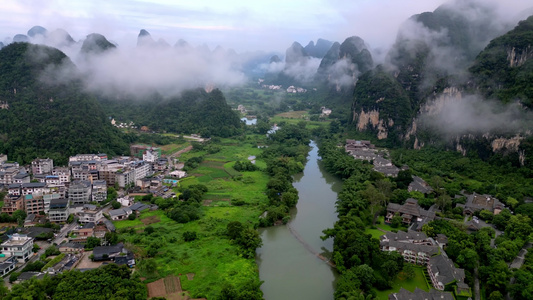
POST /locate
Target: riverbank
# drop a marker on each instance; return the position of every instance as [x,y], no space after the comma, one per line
[303,269]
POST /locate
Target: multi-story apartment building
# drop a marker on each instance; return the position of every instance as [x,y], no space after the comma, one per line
[33,204]
[90,213]
[59,210]
[42,166]
[99,191]
[19,246]
[63,173]
[34,188]
[7,175]
[79,192]
[12,203]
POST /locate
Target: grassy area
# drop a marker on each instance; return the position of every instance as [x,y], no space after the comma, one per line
[376,233]
[387,227]
[212,257]
[401,281]
[291,120]
[172,148]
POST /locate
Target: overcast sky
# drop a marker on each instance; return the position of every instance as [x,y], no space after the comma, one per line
[242,25]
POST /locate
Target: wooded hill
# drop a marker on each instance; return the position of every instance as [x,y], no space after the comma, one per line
[194,111]
[46,113]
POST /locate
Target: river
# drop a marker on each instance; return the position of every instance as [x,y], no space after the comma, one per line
[287,261]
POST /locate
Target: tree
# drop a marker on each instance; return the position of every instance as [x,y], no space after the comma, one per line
[149,230]
[234,229]
[92,242]
[189,236]
[375,198]
[396,221]
[116,205]
[19,216]
[409,271]
[249,241]
[444,202]
[365,274]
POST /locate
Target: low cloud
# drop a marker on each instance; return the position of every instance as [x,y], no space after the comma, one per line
[303,71]
[474,115]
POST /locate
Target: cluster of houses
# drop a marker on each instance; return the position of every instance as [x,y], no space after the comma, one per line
[414,245]
[57,191]
[293,90]
[364,150]
[122,124]
[417,248]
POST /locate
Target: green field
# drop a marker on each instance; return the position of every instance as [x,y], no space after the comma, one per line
[212,257]
[418,281]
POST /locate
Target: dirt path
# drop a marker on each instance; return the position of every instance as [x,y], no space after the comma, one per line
[177,154]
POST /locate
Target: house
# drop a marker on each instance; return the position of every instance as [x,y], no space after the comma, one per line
[415,247]
[138,207]
[150,155]
[419,185]
[47,198]
[109,225]
[7,264]
[99,191]
[108,252]
[89,213]
[42,166]
[85,231]
[38,232]
[7,175]
[120,214]
[79,192]
[34,188]
[443,272]
[14,189]
[22,178]
[12,203]
[100,230]
[476,202]
[128,260]
[70,248]
[33,204]
[419,294]
[125,201]
[59,210]
[178,174]
[143,183]
[29,275]
[19,246]
[160,164]
[63,173]
[390,171]
[410,212]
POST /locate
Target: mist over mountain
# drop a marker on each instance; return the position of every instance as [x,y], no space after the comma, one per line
[319,49]
[425,92]
[46,117]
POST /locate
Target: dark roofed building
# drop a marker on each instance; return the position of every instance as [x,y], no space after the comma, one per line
[419,185]
[419,294]
[138,207]
[443,272]
[108,252]
[476,202]
[415,247]
[410,212]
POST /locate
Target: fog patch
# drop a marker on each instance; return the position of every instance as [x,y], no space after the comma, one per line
[472,114]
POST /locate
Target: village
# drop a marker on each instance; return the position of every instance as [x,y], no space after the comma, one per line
[68,207]
[447,281]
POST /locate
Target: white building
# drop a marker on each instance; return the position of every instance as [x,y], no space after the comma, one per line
[99,192]
[150,156]
[79,192]
[19,246]
[42,166]
[90,213]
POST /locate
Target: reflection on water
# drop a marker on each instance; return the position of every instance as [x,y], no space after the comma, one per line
[286,265]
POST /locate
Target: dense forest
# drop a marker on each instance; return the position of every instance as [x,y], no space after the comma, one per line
[108,282]
[46,114]
[195,111]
